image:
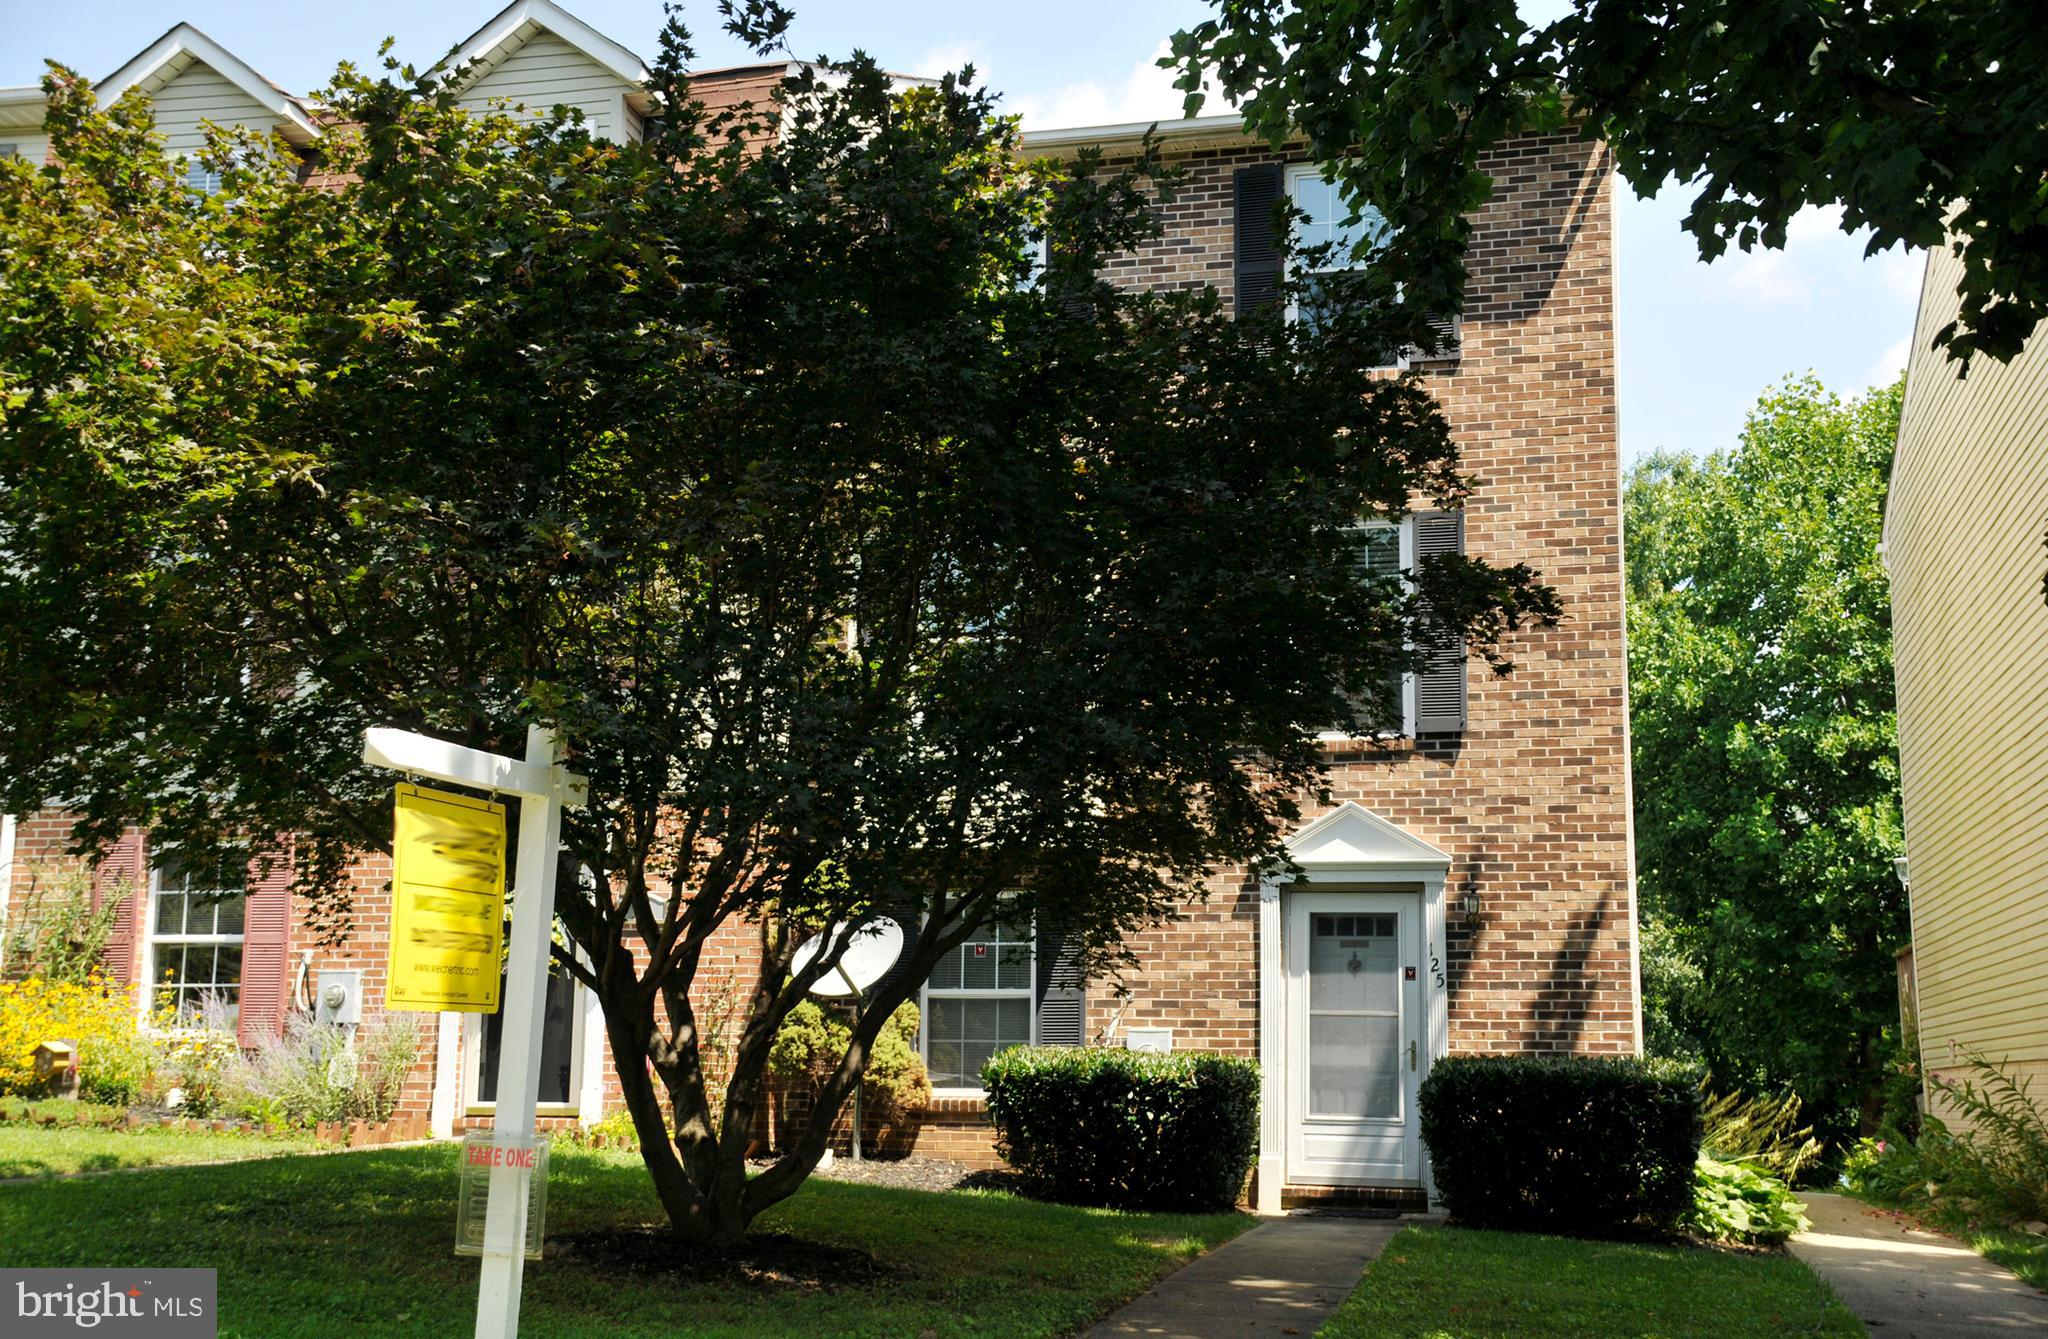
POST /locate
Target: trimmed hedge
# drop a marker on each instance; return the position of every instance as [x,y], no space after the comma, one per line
[1565,1145]
[1133,1129]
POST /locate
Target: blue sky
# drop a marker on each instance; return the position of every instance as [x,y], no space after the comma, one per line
[1698,342]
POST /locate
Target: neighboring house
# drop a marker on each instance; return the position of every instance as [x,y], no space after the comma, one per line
[1470,891]
[21,124]
[1963,535]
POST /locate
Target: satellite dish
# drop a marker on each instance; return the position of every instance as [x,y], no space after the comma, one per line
[866,960]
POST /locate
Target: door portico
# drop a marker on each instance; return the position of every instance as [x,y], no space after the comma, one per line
[1338,1016]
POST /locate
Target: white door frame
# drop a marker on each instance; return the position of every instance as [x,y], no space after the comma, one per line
[1348,847]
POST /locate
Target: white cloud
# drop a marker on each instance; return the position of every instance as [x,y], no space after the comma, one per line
[1767,278]
[1813,223]
[948,57]
[1146,93]
[1891,362]
[1899,270]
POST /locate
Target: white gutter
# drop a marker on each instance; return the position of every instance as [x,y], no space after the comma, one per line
[1225,127]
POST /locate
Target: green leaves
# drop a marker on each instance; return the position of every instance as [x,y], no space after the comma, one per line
[1734,1202]
[1767,811]
[1922,121]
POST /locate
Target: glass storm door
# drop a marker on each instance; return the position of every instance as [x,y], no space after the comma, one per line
[559,1047]
[1354,1035]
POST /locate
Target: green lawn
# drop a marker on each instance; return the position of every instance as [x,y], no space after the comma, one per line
[2024,1253]
[1455,1283]
[361,1244]
[27,1150]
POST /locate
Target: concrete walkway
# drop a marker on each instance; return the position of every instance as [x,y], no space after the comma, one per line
[1284,1277]
[1910,1284]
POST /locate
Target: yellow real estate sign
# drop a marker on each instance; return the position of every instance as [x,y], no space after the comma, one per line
[447,902]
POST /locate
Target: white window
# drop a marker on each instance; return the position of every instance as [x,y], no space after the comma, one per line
[979,1000]
[201,179]
[1387,548]
[193,949]
[562,1045]
[10,151]
[1323,205]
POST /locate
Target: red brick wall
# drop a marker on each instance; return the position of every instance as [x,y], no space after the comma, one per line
[1532,802]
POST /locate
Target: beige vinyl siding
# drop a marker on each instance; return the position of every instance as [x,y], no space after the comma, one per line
[1963,530]
[198,93]
[547,72]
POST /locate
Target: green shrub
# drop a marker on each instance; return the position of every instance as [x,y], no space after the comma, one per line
[1762,1132]
[116,1068]
[1998,1160]
[1992,1171]
[811,1040]
[1899,1091]
[615,1130]
[56,933]
[319,1072]
[1734,1202]
[39,1009]
[1126,1128]
[1889,1171]
[386,1052]
[1566,1145]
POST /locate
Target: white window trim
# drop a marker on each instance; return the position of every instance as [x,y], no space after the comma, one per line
[146,954]
[1406,525]
[969,1092]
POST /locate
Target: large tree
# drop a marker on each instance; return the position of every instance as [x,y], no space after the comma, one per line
[1898,111]
[861,563]
[1766,752]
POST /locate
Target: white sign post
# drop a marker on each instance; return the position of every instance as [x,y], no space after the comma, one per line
[543,788]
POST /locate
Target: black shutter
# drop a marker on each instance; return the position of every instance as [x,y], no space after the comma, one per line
[1440,697]
[1446,334]
[1062,999]
[1256,274]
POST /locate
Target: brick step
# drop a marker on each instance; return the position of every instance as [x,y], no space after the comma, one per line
[1391,1199]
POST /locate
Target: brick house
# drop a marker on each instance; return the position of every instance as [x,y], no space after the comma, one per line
[1470,891]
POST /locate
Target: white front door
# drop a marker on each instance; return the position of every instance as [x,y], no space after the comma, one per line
[1354,1021]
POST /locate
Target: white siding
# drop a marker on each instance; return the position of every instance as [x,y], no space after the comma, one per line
[197,94]
[32,145]
[547,72]
[1963,532]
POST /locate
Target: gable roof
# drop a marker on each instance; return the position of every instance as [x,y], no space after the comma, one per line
[519,23]
[183,46]
[1352,835]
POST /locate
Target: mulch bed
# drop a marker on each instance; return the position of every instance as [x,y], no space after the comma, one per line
[912,1173]
[765,1259]
[773,1259]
